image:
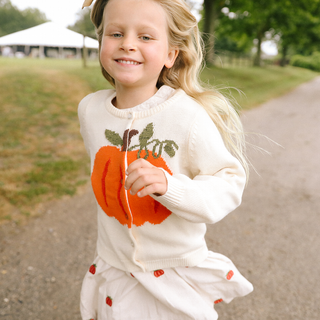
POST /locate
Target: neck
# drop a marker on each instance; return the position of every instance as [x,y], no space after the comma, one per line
[130,97]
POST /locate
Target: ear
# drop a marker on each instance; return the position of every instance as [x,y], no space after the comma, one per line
[172,56]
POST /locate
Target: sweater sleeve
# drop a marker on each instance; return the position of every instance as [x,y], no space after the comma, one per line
[82,120]
[218,178]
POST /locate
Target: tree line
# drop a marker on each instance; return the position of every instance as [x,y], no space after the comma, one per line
[235,24]
[12,19]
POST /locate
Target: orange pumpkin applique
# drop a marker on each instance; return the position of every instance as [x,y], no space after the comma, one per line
[108,176]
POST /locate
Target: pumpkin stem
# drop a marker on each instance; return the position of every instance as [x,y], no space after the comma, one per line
[125,141]
[127,136]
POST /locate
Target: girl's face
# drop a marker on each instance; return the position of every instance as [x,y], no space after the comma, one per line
[134,46]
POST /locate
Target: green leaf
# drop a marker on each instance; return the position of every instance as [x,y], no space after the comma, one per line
[169,148]
[114,138]
[145,135]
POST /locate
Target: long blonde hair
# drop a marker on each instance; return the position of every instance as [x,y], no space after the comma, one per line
[185,73]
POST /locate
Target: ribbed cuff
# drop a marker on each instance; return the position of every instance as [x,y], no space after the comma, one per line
[173,197]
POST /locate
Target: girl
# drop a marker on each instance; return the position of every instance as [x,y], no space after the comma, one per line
[161,168]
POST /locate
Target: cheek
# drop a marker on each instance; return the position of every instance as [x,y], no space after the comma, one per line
[106,51]
[159,56]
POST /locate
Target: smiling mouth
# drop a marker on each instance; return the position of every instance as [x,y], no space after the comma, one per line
[128,62]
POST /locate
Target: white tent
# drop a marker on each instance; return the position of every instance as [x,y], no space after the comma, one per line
[49,35]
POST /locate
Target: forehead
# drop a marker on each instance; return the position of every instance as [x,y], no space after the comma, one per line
[147,13]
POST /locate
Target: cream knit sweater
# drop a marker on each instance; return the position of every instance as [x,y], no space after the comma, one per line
[205,182]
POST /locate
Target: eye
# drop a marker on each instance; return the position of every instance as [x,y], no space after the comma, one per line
[116,35]
[145,38]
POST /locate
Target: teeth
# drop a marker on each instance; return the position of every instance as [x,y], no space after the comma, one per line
[128,62]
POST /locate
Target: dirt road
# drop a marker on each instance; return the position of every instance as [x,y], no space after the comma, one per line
[273,238]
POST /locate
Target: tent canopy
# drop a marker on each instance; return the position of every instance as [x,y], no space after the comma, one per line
[48,34]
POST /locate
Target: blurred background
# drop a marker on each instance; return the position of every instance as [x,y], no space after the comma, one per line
[256,50]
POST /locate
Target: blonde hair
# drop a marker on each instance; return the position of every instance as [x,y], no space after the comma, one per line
[185,74]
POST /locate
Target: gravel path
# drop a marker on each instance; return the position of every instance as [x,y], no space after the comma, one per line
[273,238]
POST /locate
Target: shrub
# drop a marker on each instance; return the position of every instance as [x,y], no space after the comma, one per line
[311,62]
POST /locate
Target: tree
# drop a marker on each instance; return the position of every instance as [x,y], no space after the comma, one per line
[255,18]
[300,30]
[210,16]
[13,20]
[228,38]
[296,21]
[84,24]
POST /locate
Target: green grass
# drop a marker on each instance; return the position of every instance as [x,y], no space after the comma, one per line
[257,84]
[42,156]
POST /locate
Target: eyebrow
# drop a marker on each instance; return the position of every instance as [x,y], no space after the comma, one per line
[142,26]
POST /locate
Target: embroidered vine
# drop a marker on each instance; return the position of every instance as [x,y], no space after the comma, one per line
[145,142]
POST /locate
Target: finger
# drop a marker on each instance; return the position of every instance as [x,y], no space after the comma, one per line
[154,178]
[155,188]
[137,173]
[142,177]
[139,163]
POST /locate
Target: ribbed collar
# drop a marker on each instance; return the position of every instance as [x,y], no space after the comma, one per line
[162,98]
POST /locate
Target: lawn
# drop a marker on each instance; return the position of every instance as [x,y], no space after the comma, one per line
[257,85]
[42,156]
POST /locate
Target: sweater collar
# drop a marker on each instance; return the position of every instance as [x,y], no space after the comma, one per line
[162,98]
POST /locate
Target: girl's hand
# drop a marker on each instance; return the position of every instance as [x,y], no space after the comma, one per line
[141,174]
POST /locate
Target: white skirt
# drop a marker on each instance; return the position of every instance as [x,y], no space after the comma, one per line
[170,294]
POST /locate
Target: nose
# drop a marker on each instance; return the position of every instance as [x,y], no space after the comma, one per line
[128,44]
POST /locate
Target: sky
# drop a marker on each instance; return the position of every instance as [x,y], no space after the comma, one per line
[65,12]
